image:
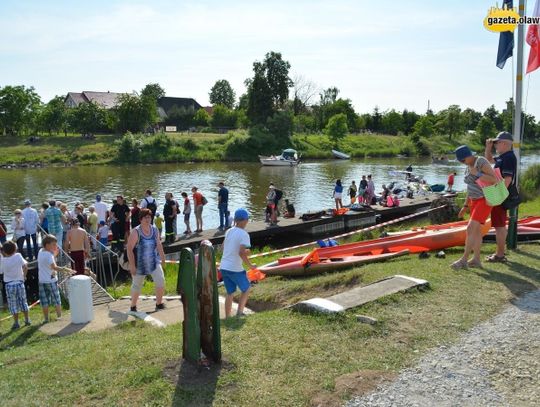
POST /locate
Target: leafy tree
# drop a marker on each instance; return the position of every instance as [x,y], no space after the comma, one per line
[243,101]
[53,116]
[340,106]
[376,120]
[423,127]
[450,121]
[280,125]
[88,118]
[154,91]
[260,101]
[222,94]
[201,118]
[277,76]
[493,114]
[304,123]
[329,96]
[470,118]
[223,117]
[18,109]
[135,113]
[392,122]
[409,120]
[485,129]
[337,128]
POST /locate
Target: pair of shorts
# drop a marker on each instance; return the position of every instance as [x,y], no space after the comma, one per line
[337,195]
[16,297]
[157,276]
[233,279]
[49,294]
[499,216]
[186,217]
[480,210]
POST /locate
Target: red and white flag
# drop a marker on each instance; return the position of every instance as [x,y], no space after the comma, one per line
[533,39]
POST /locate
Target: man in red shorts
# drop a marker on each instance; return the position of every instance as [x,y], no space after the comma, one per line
[507,163]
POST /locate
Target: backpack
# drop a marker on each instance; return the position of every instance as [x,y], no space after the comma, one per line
[204,200]
[279,194]
[151,206]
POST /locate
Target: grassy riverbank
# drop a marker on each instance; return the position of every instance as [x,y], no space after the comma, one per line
[205,147]
[276,357]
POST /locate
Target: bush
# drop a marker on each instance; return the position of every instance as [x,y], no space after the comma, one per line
[530,182]
[337,127]
[160,142]
[129,147]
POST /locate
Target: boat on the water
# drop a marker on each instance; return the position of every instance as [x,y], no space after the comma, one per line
[340,155]
[440,160]
[437,187]
[292,266]
[288,158]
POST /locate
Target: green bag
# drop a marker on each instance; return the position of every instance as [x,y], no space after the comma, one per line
[495,194]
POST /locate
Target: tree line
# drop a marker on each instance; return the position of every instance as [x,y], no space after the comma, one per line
[273,105]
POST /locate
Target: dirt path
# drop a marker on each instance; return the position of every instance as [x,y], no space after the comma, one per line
[497,363]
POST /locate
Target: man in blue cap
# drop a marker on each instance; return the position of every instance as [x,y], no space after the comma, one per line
[235,253]
[506,161]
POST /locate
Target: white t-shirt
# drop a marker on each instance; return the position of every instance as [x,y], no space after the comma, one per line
[12,267]
[45,261]
[234,238]
[103,232]
[101,210]
[147,200]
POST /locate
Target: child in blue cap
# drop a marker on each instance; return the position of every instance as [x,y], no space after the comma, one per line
[235,253]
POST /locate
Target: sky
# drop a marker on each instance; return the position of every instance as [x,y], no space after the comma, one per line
[390,54]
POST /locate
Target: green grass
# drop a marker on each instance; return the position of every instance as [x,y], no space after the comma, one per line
[279,357]
[357,145]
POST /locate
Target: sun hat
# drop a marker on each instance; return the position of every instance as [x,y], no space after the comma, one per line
[463,152]
[241,214]
[503,135]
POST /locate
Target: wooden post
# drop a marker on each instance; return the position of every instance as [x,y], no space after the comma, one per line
[208,303]
[200,300]
[186,287]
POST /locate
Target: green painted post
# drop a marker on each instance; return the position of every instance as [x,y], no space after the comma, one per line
[511,239]
[209,303]
[186,287]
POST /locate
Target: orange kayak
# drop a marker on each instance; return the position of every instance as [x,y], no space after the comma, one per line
[293,267]
[414,241]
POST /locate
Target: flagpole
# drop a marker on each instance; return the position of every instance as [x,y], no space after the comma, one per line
[512,224]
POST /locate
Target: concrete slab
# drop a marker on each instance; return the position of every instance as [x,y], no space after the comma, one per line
[360,295]
[110,315]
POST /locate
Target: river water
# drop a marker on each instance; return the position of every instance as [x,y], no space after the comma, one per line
[308,186]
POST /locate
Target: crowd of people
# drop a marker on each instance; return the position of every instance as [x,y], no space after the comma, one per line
[364,193]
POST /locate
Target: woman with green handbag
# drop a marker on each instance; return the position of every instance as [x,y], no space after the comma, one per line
[478,168]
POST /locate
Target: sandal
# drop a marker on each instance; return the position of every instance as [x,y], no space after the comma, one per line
[474,264]
[458,265]
[496,259]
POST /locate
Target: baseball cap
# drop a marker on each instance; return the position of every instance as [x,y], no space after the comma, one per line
[241,214]
[504,135]
[101,222]
[463,152]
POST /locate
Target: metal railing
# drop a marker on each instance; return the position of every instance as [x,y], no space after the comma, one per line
[101,263]
[103,252]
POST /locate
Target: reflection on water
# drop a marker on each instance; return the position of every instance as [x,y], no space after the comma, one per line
[308,186]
